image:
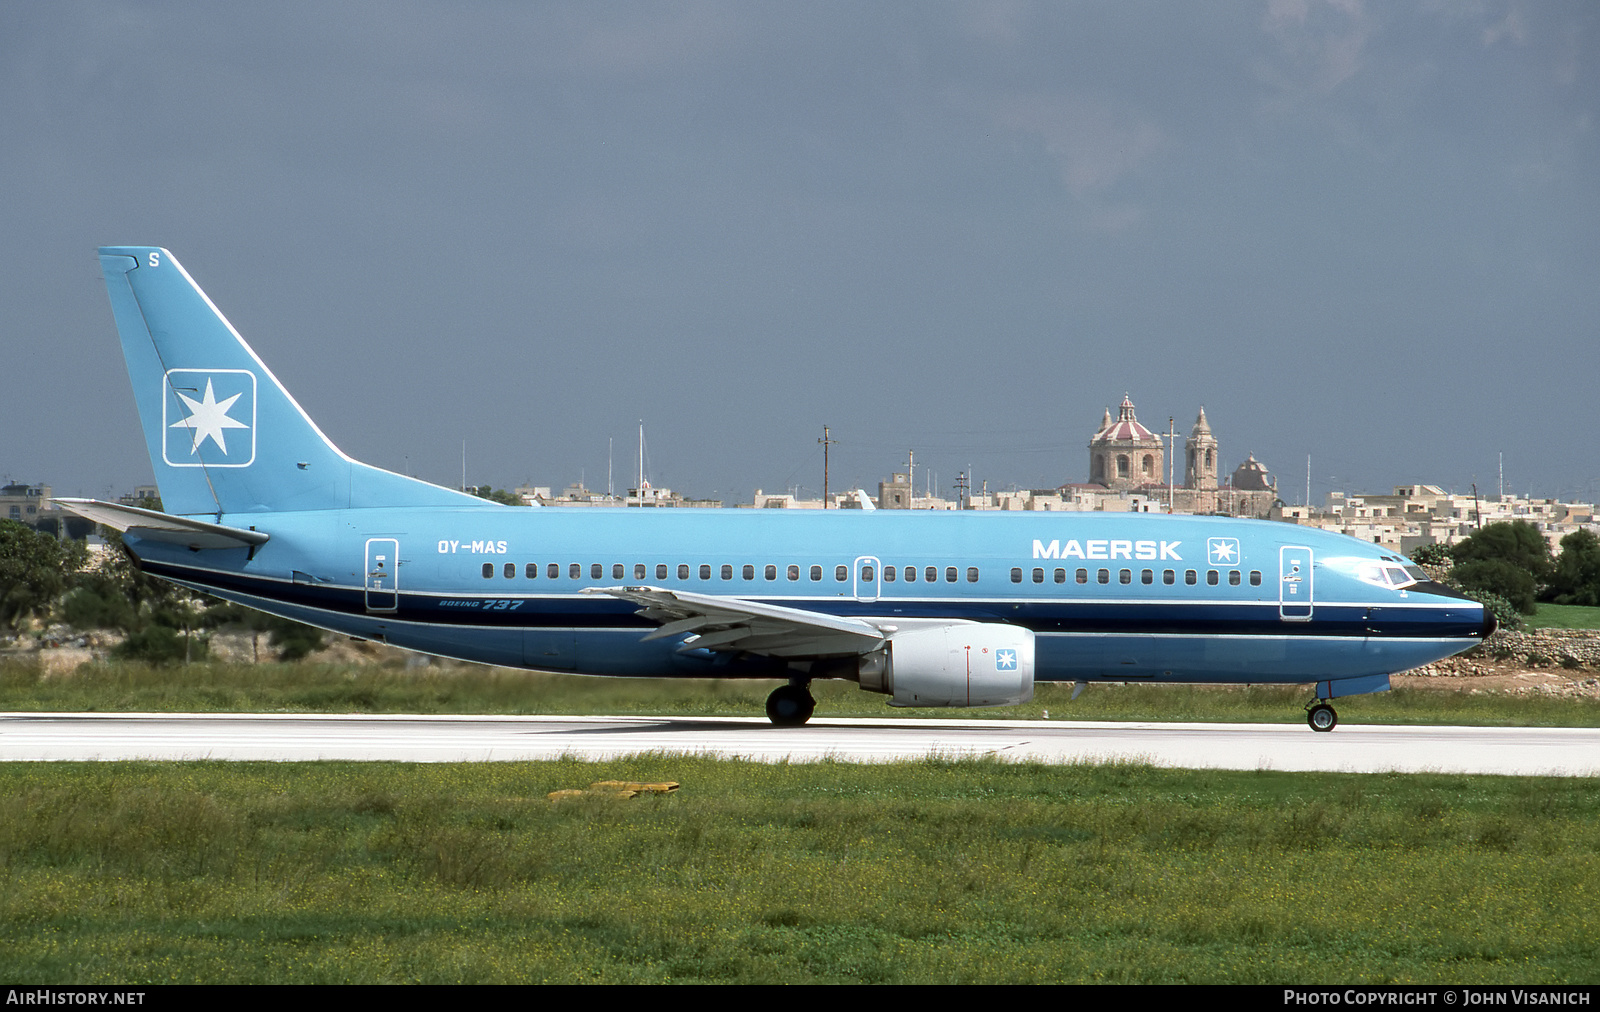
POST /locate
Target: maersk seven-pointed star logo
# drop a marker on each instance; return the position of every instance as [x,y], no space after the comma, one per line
[199,411]
[1005,660]
[1222,551]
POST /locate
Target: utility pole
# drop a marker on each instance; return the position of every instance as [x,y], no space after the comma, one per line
[962,488]
[1172,451]
[826,442]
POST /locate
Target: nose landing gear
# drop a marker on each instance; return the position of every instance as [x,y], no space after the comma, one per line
[1320,716]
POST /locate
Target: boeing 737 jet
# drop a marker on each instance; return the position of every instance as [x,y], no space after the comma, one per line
[927,608]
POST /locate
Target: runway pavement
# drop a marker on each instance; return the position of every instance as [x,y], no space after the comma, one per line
[298,737]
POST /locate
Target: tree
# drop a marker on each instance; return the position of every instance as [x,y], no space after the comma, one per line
[498,495]
[34,570]
[1511,559]
[1431,555]
[1575,578]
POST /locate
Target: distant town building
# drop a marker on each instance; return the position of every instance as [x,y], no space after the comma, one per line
[31,505]
[24,503]
[577,495]
[1417,515]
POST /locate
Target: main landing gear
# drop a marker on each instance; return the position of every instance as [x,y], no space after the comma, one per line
[1319,715]
[791,705]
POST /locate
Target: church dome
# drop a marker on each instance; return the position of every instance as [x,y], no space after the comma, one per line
[1251,476]
[1126,428]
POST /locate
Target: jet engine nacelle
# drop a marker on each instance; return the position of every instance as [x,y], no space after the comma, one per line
[962,664]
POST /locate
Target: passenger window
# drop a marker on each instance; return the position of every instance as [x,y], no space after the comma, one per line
[1125,576]
[931,574]
[1105,576]
[841,573]
[595,569]
[1211,577]
[972,574]
[770,573]
[1147,577]
[816,573]
[727,571]
[950,574]
[638,570]
[488,570]
[1189,577]
[511,570]
[683,570]
[1016,574]
[1255,577]
[1233,577]
[1083,576]
[1061,576]
[531,572]
[616,570]
[1038,575]
[1168,577]
[705,571]
[911,574]
[793,573]
[553,571]
[574,571]
[888,574]
[661,571]
[748,572]
[866,574]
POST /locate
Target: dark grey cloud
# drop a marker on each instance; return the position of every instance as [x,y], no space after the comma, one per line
[1364,232]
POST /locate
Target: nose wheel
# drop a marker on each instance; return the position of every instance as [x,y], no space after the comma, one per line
[790,705]
[1322,717]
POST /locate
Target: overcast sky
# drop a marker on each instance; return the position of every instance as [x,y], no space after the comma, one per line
[1364,232]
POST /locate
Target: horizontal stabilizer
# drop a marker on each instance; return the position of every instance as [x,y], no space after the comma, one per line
[153,525]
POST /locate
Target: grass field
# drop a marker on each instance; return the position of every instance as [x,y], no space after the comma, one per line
[316,688]
[1564,616]
[932,871]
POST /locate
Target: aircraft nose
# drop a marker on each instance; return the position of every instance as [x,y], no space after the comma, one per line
[1489,624]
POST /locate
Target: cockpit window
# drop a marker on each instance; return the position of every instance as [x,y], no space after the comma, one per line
[1383,574]
[1398,577]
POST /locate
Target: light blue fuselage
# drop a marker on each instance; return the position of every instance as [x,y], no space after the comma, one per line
[456,581]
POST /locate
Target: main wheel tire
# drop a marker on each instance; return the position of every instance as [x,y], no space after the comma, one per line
[1322,717]
[790,705]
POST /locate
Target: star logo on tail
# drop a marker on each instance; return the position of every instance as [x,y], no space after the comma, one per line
[209,419]
[199,408]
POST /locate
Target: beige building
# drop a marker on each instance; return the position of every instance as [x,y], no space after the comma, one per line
[1127,471]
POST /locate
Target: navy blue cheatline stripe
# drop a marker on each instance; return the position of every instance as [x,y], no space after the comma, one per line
[1142,618]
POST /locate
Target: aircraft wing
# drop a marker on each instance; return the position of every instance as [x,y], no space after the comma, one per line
[733,623]
[153,525]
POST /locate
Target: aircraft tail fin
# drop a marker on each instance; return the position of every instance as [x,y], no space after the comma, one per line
[224,435]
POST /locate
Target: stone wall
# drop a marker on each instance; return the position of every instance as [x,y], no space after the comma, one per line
[1569,649]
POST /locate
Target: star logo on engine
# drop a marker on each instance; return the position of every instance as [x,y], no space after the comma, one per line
[200,407]
[1005,660]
